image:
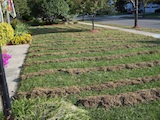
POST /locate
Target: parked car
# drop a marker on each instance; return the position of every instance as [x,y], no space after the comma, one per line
[157,11]
[140,11]
[129,11]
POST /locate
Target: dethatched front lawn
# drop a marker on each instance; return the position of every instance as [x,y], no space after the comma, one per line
[111,75]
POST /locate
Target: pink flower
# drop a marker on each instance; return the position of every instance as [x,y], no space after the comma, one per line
[5,58]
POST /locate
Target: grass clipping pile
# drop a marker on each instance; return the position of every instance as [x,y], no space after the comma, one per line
[47,109]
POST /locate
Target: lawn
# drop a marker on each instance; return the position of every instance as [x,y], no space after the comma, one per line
[152,30]
[113,75]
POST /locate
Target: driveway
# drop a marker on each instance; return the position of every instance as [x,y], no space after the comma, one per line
[121,20]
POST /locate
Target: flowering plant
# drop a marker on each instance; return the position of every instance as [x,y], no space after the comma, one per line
[5,58]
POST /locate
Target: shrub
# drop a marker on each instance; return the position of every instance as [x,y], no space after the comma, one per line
[49,10]
[36,22]
[27,17]
[47,109]
[15,22]
[21,29]
[21,39]
[6,33]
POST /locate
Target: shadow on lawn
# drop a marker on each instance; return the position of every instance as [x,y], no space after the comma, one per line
[151,41]
[45,30]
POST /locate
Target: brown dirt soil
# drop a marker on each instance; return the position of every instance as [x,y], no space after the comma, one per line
[89,40]
[112,68]
[93,58]
[41,73]
[69,43]
[86,47]
[90,51]
[77,89]
[71,48]
[85,70]
[123,99]
[95,31]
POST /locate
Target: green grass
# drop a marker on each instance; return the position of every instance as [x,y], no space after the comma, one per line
[152,30]
[76,38]
[60,79]
[152,15]
[118,90]
[146,111]
[1,115]
[83,64]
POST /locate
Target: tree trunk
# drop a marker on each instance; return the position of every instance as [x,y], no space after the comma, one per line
[144,11]
[82,17]
[93,22]
[136,14]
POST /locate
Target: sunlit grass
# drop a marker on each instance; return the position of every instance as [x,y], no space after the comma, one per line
[71,39]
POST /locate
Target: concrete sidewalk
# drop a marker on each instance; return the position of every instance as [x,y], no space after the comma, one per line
[13,69]
[126,30]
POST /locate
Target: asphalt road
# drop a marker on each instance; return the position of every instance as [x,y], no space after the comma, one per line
[145,23]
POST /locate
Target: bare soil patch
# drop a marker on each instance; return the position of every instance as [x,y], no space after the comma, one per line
[72,48]
[91,40]
[69,43]
[114,47]
[90,51]
[123,99]
[112,68]
[85,70]
[92,58]
[95,31]
[56,91]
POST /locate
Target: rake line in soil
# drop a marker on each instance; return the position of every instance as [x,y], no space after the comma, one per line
[69,48]
[124,99]
[72,48]
[63,47]
[92,58]
[86,70]
[91,51]
[106,39]
[90,41]
[71,43]
[56,91]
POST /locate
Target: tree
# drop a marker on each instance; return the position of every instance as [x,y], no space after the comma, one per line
[35,7]
[90,7]
[21,8]
[120,5]
[78,7]
[49,10]
[93,6]
[135,5]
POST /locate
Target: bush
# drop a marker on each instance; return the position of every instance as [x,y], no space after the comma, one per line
[15,22]
[36,22]
[27,17]
[6,33]
[22,39]
[21,29]
[49,10]
[47,109]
